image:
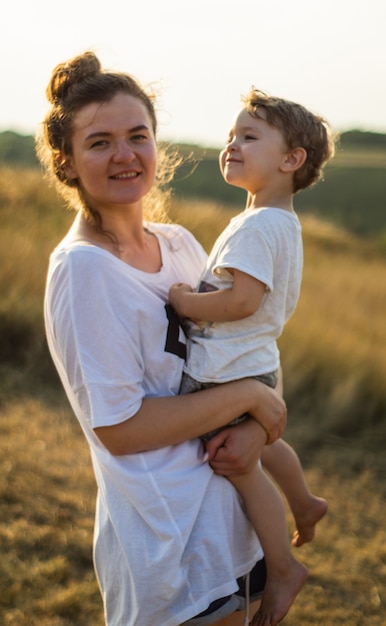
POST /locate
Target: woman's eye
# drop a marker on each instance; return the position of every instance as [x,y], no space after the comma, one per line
[99,143]
[139,137]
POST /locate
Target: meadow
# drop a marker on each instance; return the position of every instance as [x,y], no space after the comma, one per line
[333,355]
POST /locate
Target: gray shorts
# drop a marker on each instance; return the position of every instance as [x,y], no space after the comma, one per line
[236,602]
[190,385]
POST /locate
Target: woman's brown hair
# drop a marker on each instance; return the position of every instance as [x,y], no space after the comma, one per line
[73,85]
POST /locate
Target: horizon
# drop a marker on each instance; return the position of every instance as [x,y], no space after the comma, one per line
[200,59]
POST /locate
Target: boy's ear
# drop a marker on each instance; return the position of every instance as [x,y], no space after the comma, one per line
[294,160]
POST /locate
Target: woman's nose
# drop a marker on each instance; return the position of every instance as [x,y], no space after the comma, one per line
[123,152]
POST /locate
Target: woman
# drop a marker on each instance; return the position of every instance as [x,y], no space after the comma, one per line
[171,537]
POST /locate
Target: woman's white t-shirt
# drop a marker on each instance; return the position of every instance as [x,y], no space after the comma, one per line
[170,536]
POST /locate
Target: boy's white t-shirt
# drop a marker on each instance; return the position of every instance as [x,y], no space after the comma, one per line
[265,243]
[170,536]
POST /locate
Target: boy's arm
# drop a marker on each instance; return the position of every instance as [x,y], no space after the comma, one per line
[224,305]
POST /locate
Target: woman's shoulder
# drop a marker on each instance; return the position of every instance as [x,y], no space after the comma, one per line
[181,247]
[78,260]
[69,249]
[170,229]
[176,234]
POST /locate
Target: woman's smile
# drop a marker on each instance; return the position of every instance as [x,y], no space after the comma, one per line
[125,175]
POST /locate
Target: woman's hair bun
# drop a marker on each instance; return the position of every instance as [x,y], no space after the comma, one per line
[65,75]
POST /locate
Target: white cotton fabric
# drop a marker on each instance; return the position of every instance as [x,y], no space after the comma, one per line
[170,536]
[265,243]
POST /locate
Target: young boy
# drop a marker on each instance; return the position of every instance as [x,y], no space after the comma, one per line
[248,291]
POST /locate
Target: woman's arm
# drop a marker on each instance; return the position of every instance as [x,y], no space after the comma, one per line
[171,420]
[236,450]
[224,305]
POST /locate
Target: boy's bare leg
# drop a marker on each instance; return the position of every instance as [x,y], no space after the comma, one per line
[284,465]
[285,575]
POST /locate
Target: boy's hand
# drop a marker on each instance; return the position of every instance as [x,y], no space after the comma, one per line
[176,296]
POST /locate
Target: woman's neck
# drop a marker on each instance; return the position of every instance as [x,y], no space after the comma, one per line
[126,239]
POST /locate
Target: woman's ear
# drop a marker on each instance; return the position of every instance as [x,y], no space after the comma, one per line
[294,160]
[69,168]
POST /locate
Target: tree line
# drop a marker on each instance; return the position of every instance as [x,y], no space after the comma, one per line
[352,195]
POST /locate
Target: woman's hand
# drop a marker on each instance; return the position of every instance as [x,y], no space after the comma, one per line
[270,412]
[236,450]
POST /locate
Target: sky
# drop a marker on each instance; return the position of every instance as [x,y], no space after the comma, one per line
[201,56]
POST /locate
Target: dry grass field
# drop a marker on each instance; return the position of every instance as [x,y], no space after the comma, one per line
[333,353]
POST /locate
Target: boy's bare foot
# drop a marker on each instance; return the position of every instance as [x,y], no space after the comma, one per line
[306,522]
[279,594]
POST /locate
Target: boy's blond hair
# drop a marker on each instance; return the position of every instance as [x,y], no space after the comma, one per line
[300,129]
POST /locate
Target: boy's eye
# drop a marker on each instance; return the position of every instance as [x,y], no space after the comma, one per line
[250,137]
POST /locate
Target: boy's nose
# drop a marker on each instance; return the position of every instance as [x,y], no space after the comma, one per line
[231,145]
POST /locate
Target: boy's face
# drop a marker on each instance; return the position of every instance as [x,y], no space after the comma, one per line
[254,154]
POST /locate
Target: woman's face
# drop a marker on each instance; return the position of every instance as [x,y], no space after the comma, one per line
[114,156]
